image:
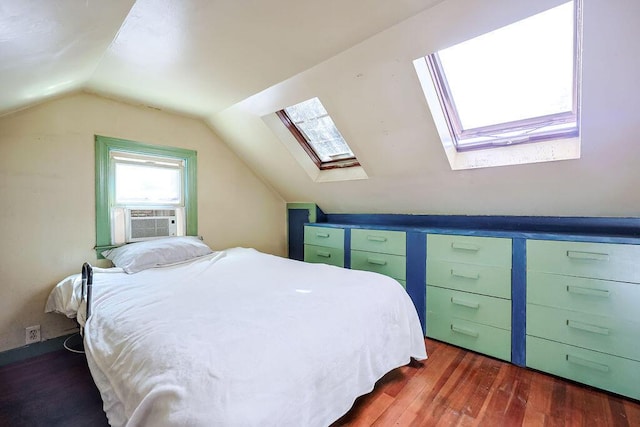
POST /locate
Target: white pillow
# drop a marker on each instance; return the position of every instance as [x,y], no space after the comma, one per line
[135,257]
[65,297]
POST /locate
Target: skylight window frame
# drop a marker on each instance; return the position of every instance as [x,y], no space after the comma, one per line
[299,135]
[458,134]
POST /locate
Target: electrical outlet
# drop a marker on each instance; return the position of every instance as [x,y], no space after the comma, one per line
[32,334]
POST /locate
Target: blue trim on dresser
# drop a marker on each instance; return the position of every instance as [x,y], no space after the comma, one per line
[417,273]
[347,247]
[605,226]
[518,301]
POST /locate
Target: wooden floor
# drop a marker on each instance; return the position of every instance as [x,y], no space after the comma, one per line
[453,387]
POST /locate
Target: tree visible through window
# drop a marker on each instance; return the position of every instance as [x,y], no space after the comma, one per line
[517,84]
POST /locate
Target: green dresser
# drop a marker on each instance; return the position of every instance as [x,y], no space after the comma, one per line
[583,319]
[324,245]
[381,251]
[469,292]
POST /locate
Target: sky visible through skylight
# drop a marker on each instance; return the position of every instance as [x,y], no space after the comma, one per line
[490,76]
[311,118]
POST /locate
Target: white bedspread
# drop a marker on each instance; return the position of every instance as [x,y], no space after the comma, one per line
[245,339]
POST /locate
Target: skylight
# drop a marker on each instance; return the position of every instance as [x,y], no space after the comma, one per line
[316,132]
[517,84]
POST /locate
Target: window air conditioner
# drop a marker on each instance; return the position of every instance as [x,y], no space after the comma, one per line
[145,224]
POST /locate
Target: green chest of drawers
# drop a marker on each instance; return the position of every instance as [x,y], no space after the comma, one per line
[324,245]
[583,319]
[469,292]
[381,251]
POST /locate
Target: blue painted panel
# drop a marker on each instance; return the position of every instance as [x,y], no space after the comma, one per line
[297,219]
[347,248]
[503,225]
[519,302]
[416,273]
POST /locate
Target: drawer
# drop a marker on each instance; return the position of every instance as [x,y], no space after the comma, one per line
[384,241]
[484,339]
[595,296]
[612,373]
[324,236]
[476,308]
[611,335]
[390,265]
[324,255]
[595,260]
[494,281]
[470,249]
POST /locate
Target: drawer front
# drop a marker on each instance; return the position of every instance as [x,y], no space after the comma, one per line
[595,260]
[595,296]
[324,255]
[390,265]
[615,374]
[324,236]
[494,281]
[469,249]
[484,339]
[476,308]
[383,241]
[611,335]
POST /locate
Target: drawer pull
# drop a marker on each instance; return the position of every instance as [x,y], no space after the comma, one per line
[587,363]
[472,276]
[464,331]
[376,238]
[588,256]
[463,303]
[323,254]
[465,246]
[322,235]
[603,293]
[587,327]
[376,261]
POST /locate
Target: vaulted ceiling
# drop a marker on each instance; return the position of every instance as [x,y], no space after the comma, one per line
[233,63]
[189,56]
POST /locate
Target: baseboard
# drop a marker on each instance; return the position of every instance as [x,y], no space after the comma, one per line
[32,350]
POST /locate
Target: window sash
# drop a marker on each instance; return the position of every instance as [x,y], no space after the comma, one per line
[348,160]
[553,126]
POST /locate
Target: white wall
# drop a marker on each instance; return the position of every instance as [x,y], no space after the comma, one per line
[47,220]
[374,96]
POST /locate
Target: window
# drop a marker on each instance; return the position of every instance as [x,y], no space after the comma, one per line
[314,129]
[134,175]
[518,84]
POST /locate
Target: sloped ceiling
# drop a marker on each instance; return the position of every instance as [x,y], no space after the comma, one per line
[233,63]
[190,56]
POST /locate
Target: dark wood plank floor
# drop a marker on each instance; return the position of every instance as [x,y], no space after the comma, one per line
[453,387]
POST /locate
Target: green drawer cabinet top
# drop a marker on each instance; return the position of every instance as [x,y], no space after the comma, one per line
[390,265]
[463,305]
[479,279]
[324,236]
[595,260]
[324,255]
[595,296]
[383,241]
[606,334]
[470,249]
[484,339]
[612,373]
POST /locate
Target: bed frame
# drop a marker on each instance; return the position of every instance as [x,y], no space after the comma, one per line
[87,285]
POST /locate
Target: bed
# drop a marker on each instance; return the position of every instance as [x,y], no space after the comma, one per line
[236,337]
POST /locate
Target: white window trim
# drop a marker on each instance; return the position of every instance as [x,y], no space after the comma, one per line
[544,151]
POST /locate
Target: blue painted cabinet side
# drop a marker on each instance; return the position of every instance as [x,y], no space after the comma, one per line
[297,219]
[518,301]
[416,273]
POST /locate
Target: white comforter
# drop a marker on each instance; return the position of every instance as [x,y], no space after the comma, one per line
[242,338]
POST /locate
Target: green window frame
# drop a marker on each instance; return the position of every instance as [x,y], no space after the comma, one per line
[105,182]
